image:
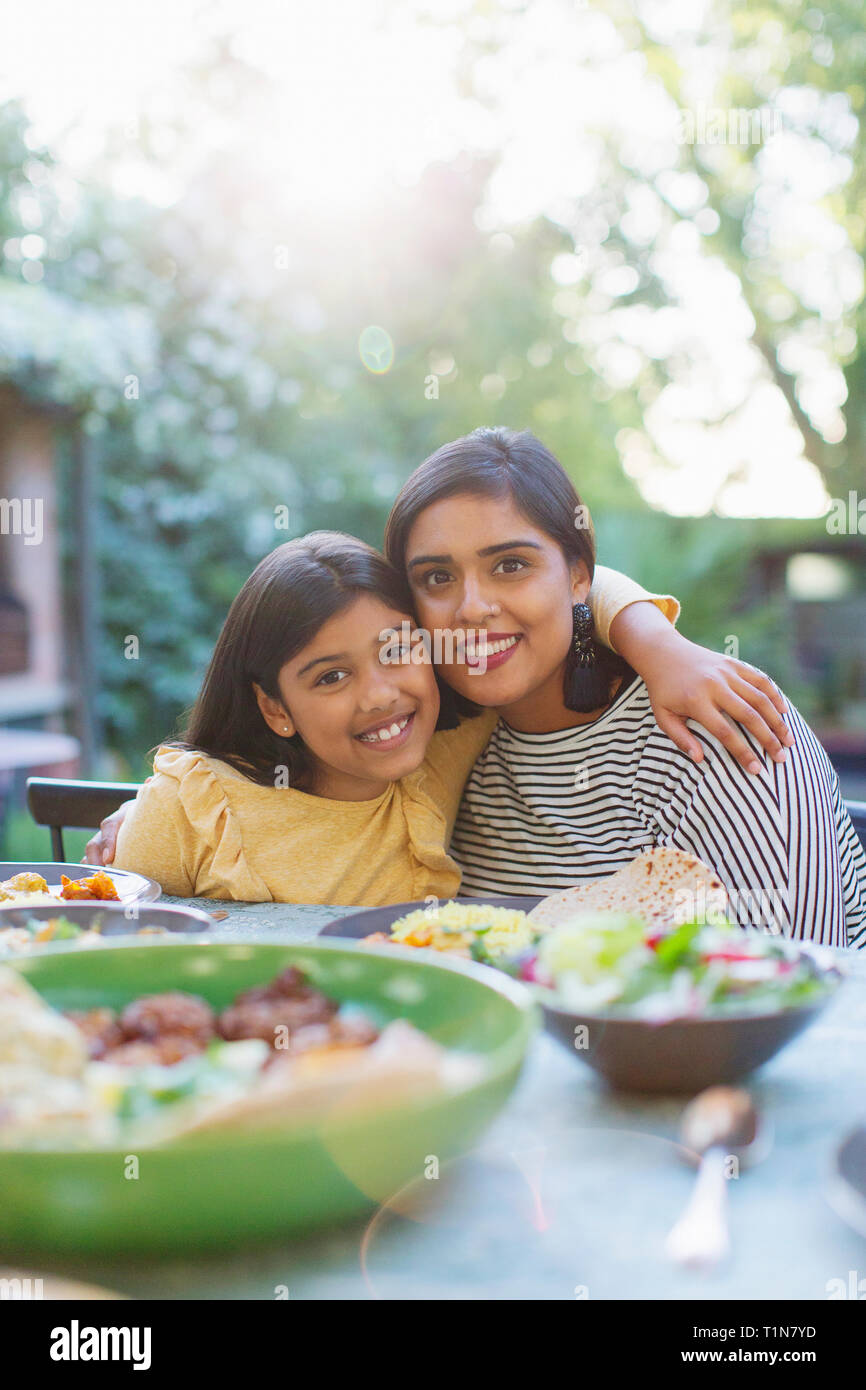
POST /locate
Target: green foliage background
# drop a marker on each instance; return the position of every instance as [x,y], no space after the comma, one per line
[209,353]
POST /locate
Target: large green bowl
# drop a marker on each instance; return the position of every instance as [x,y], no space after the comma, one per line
[235,1188]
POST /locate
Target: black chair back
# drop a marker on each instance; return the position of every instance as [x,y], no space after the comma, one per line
[60,803]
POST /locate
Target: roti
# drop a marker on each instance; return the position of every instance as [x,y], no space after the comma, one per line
[665,886]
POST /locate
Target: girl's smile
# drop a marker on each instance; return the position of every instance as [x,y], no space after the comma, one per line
[385,737]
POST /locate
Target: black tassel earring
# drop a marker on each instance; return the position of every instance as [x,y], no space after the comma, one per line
[583,629]
[590,669]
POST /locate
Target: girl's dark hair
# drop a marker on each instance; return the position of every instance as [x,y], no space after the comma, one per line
[501,463]
[281,607]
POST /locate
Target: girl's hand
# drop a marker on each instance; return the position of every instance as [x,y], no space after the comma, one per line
[100,850]
[686,681]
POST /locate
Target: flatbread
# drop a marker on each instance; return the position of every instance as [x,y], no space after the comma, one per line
[665,886]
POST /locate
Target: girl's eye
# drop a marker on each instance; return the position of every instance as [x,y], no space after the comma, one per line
[395,656]
[326,679]
[513,560]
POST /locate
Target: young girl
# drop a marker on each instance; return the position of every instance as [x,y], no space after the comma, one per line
[578,777]
[311,770]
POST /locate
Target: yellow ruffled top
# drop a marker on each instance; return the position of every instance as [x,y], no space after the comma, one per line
[202,829]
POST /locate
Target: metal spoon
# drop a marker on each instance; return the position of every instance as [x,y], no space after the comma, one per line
[720,1125]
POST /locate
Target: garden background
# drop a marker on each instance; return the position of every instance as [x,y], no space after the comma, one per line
[259,260]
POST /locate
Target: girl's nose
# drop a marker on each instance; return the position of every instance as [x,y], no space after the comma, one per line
[380,688]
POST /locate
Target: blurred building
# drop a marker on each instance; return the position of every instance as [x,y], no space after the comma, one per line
[45,723]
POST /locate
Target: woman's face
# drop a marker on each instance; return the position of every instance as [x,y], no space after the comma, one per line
[366,721]
[477,562]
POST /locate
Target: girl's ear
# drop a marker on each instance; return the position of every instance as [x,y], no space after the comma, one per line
[580,581]
[273,713]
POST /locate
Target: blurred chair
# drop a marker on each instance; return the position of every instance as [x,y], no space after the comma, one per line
[62,804]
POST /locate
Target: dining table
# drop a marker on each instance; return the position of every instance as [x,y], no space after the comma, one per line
[571,1192]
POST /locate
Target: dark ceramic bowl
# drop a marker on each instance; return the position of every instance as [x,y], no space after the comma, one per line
[685,1054]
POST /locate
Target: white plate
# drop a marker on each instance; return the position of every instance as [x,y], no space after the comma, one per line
[130,887]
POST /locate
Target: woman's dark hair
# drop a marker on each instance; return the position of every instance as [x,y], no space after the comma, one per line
[504,463]
[281,607]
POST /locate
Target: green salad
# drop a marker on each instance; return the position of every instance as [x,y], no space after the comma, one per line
[139,1093]
[39,931]
[613,963]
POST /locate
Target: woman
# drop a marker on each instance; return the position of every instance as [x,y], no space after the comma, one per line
[311,771]
[578,777]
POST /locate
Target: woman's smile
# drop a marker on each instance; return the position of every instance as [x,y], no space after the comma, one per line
[479,566]
[490,649]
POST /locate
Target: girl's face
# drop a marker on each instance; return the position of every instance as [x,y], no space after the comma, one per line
[477,562]
[366,722]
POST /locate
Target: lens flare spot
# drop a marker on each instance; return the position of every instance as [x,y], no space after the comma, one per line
[376,350]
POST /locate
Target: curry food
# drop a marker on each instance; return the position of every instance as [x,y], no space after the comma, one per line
[38,931]
[32,890]
[169,1065]
[486,934]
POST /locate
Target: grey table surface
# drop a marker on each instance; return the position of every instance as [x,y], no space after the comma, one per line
[572,1191]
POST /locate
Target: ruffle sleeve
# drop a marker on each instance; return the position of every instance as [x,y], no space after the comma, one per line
[215,848]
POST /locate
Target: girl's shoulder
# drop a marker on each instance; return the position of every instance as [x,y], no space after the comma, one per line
[450,756]
[466,741]
[190,830]
[205,786]
[179,764]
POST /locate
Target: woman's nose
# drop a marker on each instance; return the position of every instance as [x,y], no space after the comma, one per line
[474,607]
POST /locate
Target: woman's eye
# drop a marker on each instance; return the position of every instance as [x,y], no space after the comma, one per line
[515,563]
[436,578]
[331,677]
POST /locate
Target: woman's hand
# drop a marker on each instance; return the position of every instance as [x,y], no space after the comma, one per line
[100,850]
[686,681]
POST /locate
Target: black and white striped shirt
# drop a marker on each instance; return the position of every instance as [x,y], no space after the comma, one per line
[542,812]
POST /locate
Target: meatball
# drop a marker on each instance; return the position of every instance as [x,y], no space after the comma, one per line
[163,1051]
[289,984]
[338,1033]
[100,1028]
[156,1015]
[262,1018]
